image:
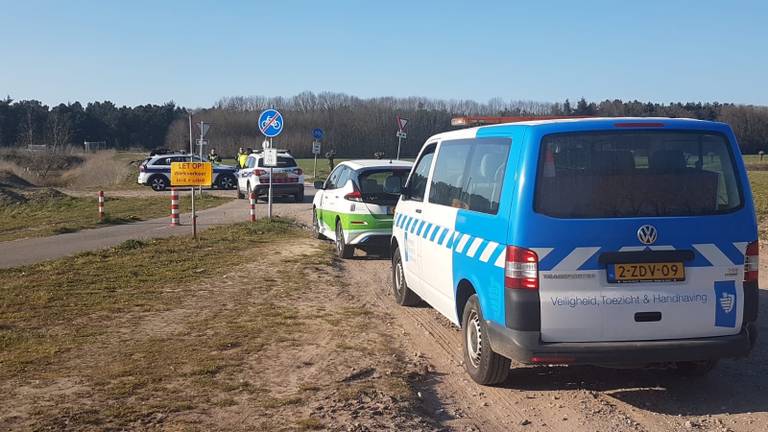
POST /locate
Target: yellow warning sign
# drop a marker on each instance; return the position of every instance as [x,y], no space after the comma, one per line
[191,174]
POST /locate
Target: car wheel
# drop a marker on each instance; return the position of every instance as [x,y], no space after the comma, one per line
[403,295]
[158,183]
[226,182]
[299,197]
[484,365]
[695,368]
[316,225]
[342,249]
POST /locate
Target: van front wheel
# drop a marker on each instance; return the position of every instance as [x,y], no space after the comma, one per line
[482,364]
[403,295]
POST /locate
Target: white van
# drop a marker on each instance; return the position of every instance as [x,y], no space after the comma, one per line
[617,241]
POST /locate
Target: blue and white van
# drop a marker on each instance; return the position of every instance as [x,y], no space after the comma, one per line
[607,241]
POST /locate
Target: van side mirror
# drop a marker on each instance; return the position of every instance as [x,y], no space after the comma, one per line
[405,193]
[319,185]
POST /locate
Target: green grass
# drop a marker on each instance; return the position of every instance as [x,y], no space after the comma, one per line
[323,169]
[73,318]
[40,218]
[759,184]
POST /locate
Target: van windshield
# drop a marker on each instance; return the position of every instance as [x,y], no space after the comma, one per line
[636,174]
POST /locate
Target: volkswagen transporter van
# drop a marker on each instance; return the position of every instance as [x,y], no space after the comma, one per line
[616,241]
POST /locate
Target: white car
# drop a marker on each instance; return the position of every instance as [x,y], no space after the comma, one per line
[287,177]
[355,204]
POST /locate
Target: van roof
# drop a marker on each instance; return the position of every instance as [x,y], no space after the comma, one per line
[377,163]
[602,123]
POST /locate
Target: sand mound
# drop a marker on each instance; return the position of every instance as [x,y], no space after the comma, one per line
[9,179]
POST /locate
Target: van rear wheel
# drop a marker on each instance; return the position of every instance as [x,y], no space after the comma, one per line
[481,363]
[403,295]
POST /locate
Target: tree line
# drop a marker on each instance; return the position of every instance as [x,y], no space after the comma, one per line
[29,122]
[354,127]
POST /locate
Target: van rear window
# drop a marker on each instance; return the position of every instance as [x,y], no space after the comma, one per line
[636,174]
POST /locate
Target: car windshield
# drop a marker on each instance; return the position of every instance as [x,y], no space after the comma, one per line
[282,162]
[635,174]
[382,186]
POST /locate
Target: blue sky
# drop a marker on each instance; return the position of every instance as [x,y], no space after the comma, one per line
[194,52]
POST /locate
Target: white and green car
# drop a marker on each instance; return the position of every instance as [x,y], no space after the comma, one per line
[355,204]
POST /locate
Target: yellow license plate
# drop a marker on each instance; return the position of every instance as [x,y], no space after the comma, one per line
[279,175]
[646,272]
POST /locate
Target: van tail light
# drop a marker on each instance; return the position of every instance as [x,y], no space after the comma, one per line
[259,172]
[354,196]
[521,270]
[752,262]
[298,171]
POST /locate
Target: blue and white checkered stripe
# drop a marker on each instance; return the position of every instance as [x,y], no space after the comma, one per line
[573,259]
[485,251]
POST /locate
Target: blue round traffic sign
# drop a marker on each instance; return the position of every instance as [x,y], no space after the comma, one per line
[317,134]
[271,123]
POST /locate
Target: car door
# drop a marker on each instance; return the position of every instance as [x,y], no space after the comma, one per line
[244,174]
[410,208]
[325,206]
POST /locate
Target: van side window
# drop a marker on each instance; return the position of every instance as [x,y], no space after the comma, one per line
[486,175]
[469,174]
[449,176]
[417,184]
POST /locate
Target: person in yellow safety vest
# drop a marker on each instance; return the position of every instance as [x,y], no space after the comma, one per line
[242,158]
[240,152]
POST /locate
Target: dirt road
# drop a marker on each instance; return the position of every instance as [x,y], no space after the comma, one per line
[559,398]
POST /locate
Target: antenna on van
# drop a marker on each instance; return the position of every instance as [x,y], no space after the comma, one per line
[489,120]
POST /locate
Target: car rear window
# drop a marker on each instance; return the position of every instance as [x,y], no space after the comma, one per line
[282,162]
[635,174]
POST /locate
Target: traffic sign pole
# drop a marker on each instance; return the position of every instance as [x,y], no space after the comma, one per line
[401,123]
[269,208]
[271,123]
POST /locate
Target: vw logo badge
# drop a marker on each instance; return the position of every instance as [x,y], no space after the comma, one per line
[647,234]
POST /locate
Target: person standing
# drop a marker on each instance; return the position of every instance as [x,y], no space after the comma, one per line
[213,156]
[242,158]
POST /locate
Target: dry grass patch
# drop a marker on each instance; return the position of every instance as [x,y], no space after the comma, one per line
[180,335]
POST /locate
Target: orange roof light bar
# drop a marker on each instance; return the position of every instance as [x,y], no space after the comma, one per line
[488,120]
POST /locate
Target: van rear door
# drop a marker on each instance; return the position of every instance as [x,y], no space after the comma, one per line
[643,235]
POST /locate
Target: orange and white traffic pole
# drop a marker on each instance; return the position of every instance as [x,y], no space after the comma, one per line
[253,206]
[101,205]
[174,207]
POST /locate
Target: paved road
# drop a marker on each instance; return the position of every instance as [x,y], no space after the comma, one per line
[28,251]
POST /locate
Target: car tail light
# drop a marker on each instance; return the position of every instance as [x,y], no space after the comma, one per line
[298,171]
[354,196]
[752,262]
[141,168]
[259,172]
[521,270]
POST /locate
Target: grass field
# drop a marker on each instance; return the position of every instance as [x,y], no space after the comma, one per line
[60,214]
[178,334]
